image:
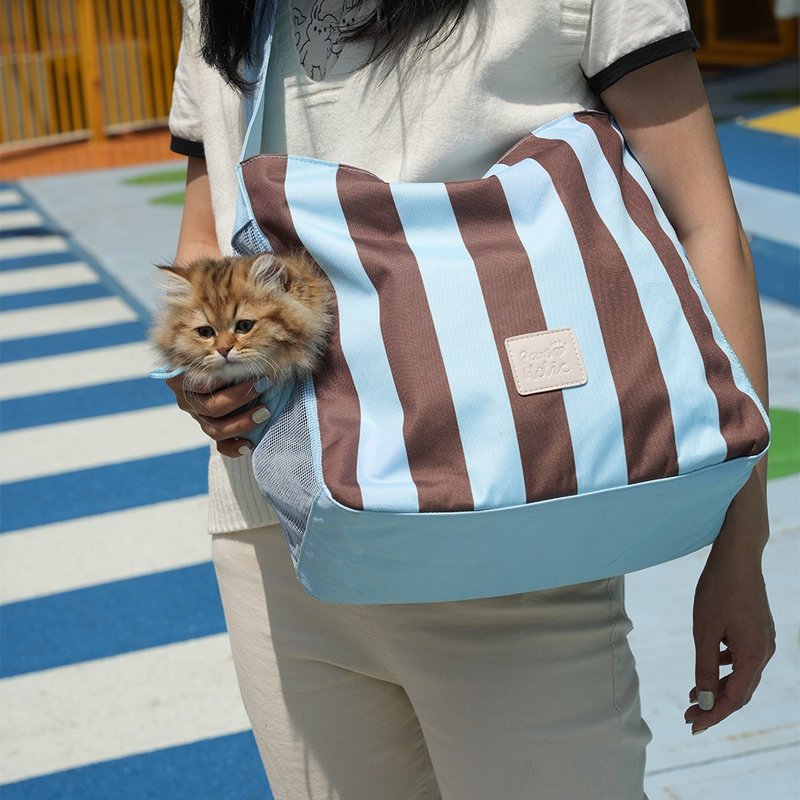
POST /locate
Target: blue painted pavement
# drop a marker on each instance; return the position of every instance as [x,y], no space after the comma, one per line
[99,622]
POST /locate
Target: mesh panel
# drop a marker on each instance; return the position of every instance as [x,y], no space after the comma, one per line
[283,469]
[250,241]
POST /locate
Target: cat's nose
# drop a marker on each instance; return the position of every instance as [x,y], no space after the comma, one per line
[223,351]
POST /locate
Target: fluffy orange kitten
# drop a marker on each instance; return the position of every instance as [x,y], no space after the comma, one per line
[228,320]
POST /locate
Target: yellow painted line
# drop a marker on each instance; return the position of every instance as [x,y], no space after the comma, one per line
[786,122]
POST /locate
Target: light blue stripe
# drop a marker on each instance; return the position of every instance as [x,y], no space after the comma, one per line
[739,376]
[496,169]
[382,470]
[695,414]
[477,384]
[595,420]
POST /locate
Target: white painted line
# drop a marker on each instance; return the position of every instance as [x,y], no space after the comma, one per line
[784,511]
[774,774]
[24,218]
[16,246]
[96,442]
[63,317]
[108,547]
[771,213]
[74,370]
[36,279]
[80,714]
[781,326]
[10,197]
[784,379]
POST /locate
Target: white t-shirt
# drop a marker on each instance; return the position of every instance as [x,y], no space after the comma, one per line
[509,67]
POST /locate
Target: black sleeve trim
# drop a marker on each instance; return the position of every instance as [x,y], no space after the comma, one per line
[186,147]
[655,51]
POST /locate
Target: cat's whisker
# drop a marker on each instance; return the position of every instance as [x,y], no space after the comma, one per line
[260,361]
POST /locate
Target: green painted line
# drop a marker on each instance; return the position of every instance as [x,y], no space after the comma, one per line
[156,178]
[171,199]
[784,452]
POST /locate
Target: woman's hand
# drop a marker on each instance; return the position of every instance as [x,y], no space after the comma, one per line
[224,414]
[731,608]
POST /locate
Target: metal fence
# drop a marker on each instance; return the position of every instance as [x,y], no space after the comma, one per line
[75,69]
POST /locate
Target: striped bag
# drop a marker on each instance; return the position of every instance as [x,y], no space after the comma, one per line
[525,387]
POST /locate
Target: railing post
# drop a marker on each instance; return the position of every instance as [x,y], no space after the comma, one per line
[90,67]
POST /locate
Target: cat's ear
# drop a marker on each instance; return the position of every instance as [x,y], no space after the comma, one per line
[269,272]
[177,284]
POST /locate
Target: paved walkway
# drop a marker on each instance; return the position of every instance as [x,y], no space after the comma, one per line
[117,680]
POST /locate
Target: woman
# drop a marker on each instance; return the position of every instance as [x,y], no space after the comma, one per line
[530,695]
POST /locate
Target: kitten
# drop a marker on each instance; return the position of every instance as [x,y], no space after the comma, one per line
[228,320]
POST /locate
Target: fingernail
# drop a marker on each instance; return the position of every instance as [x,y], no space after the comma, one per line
[261,385]
[244,450]
[260,415]
[702,730]
[705,700]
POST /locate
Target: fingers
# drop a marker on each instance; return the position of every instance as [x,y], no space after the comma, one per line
[225,414]
[234,448]
[220,402]
[706,669]
[732,692]
[725,659]
[234,425]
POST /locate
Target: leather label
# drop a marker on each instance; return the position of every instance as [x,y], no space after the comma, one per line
[546,361]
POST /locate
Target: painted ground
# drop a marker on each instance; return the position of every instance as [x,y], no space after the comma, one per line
[115,678]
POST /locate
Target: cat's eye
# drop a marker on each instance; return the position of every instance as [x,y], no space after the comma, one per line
[245,325]
[206,331]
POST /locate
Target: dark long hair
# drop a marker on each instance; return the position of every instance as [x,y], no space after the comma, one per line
[228,28]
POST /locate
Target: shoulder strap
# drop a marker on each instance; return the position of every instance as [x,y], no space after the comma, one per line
[256,72]
[245,236]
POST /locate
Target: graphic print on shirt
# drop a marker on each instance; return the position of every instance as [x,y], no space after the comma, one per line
[318,26]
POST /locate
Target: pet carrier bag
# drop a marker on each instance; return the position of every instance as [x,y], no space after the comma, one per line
[524,388]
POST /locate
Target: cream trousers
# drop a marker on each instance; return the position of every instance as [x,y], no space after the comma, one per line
[527,697]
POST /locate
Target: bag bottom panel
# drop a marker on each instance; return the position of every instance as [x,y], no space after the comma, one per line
[368,557]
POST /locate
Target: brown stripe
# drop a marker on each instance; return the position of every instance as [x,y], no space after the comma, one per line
[339,414]
[338,408]
[512,302]
[741,423]
[430,428]
[647,427]
[524,148]
[265,177]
